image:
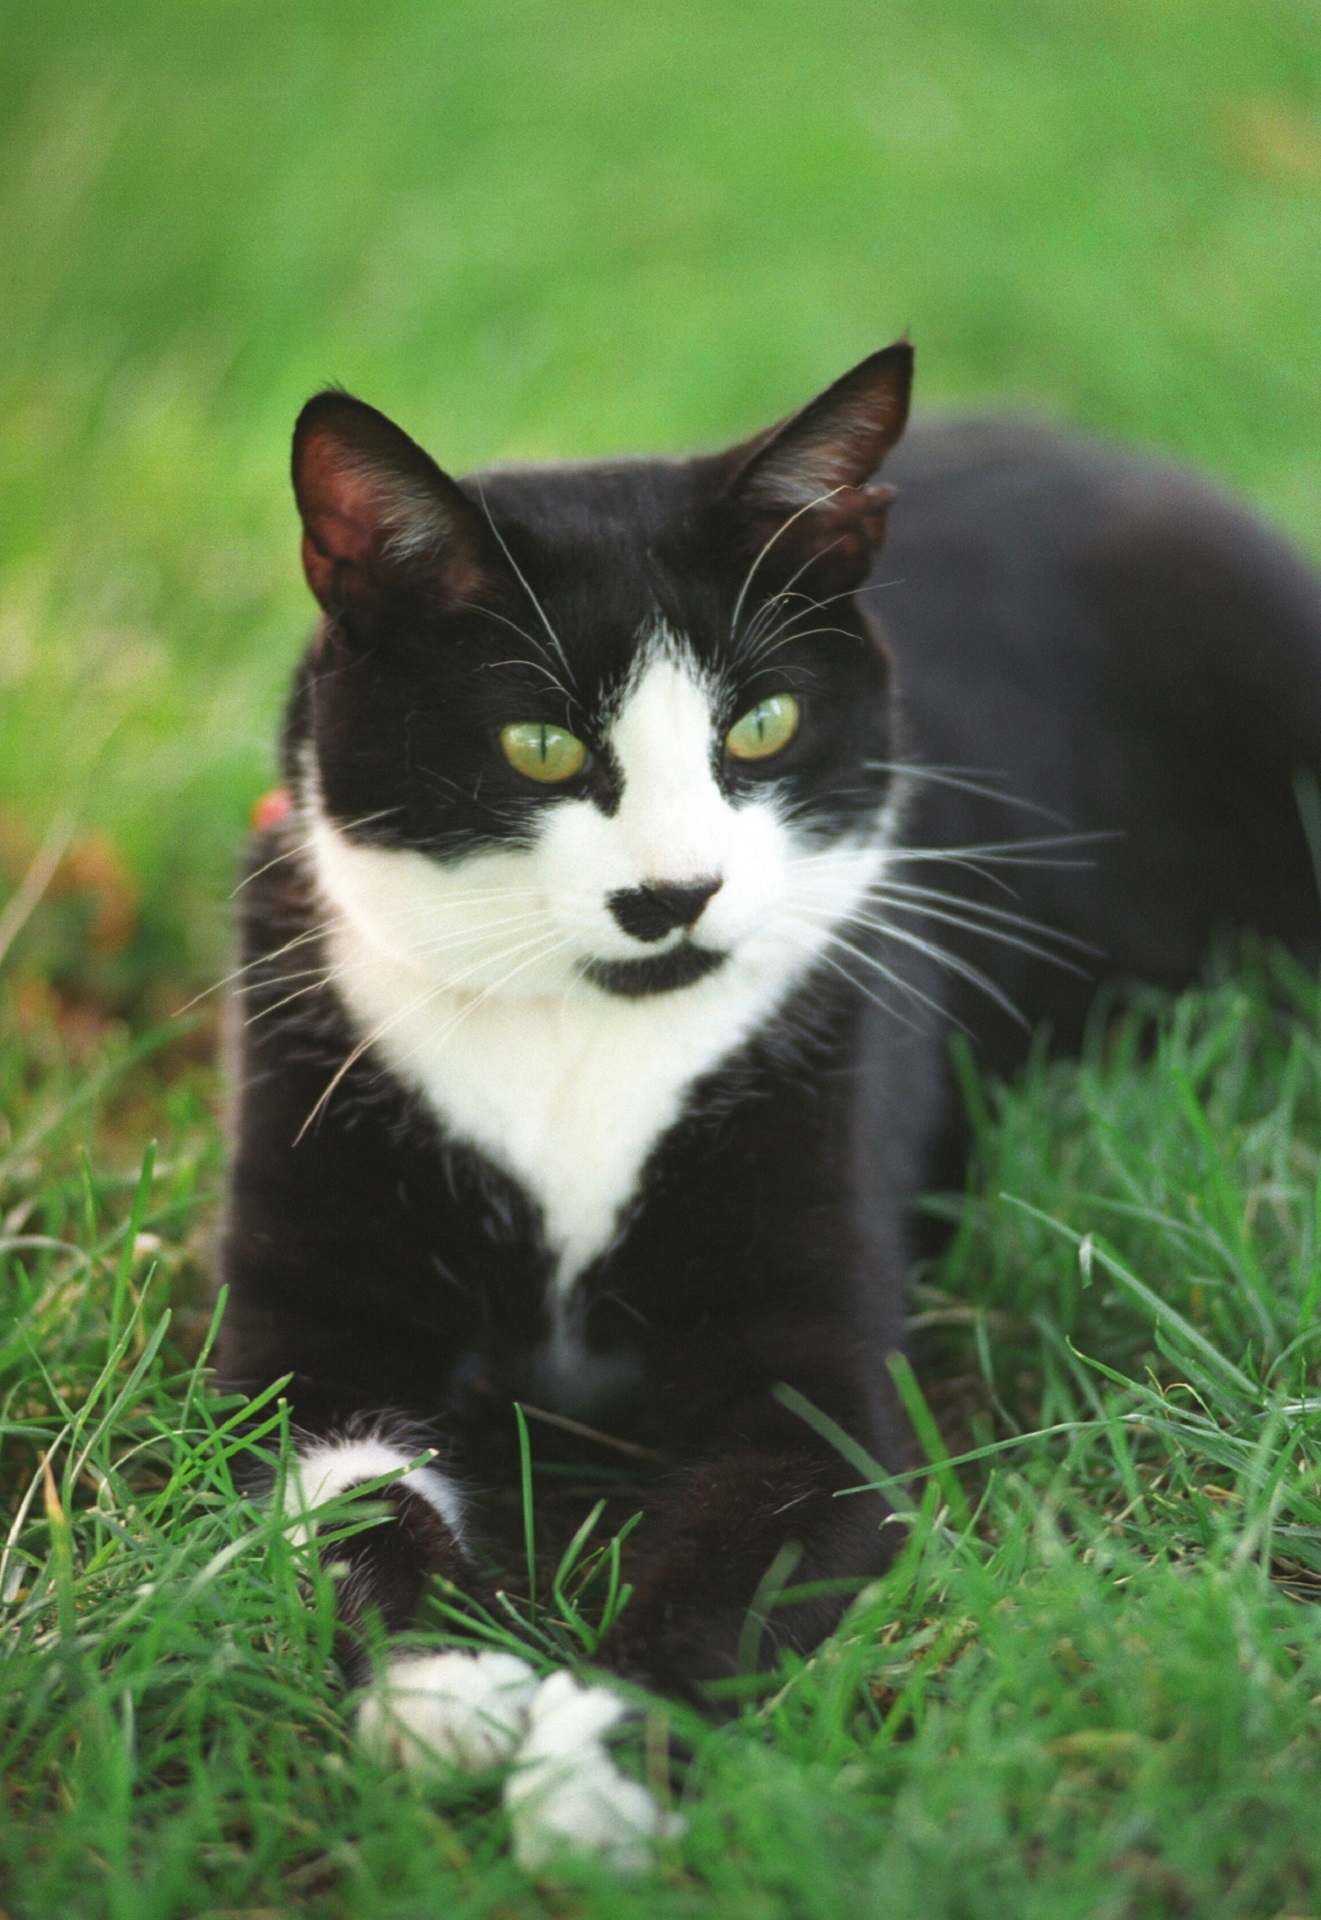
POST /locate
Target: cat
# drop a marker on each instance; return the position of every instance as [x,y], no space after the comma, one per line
[596,987]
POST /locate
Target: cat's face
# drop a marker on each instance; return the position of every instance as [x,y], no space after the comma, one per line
[613,728]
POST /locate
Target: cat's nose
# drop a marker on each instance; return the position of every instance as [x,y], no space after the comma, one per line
[650,912]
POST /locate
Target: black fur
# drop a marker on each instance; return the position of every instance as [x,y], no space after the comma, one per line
[1075,642]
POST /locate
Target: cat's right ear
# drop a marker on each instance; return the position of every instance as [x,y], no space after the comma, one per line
[379,516]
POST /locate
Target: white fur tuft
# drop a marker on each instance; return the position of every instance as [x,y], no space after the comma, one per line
[331,1467]
[566,1795]
[465,1710]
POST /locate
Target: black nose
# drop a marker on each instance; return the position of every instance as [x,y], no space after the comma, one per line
[649,913]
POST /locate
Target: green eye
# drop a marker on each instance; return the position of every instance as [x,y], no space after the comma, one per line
[543,753]
[764,729]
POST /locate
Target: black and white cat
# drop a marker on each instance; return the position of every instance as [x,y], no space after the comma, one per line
[597,984]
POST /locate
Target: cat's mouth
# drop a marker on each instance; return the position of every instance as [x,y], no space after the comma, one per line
[655,972]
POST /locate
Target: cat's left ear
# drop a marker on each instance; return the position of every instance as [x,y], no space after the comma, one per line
[807,489]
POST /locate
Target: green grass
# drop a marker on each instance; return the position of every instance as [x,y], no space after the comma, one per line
[1091,1683]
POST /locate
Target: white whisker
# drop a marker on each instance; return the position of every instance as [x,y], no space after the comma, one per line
[952,962]
[305,846]
[993,923]
[551,634]
[404,1013]
[251,966]
[489,613]
[833,938]
[961,780]
[1023,853]
[316,977]
[477,1000]
[783,528]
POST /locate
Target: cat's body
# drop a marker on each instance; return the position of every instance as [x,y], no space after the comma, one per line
[610,1090]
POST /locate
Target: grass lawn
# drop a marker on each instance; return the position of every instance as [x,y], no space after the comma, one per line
[1091,1684]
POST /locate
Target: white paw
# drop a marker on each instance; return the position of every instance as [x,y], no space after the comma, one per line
[466,1710]
[566,1795]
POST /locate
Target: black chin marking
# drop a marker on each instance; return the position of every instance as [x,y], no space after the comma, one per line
[656,973]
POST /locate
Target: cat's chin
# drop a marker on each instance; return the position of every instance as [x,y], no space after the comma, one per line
[665,972]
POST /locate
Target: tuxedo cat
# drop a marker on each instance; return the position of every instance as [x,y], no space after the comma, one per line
[647,838]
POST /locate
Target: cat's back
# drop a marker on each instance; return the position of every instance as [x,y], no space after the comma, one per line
[1085,597]
[1123,651]
[1013,522]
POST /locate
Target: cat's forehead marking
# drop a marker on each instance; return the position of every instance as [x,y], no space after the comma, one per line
[657,644]
[666,708]
[672,819]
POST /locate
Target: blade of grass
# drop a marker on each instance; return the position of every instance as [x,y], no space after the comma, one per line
[529,1522]
[928,1437]
[1159,1311]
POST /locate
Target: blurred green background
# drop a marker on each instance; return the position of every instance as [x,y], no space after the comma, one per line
[562,229]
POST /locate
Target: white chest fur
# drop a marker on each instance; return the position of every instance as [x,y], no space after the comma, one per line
[567,1093]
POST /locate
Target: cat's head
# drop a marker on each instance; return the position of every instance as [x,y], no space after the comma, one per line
[619,724]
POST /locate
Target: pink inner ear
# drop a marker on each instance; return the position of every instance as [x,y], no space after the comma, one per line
[825,471]
[341,509]
[839,537]
[863,506]
[836,442]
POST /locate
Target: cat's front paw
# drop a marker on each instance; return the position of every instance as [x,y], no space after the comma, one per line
[474,1711]
[566,1795]
[465,1710]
